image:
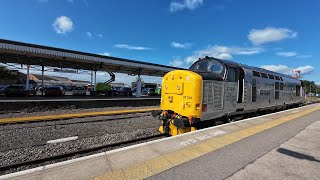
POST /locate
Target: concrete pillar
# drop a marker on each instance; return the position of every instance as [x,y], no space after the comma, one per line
[91,81]
[138,88]
[95,81]
[27,79]
[42,84]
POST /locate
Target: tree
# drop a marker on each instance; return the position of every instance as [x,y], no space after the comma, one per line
[7,74]
[310,85]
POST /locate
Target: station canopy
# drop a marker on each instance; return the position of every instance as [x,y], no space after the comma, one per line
[32,54]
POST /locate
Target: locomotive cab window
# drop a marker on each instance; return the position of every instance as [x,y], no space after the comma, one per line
[232,75]
[277,78]
[209,65]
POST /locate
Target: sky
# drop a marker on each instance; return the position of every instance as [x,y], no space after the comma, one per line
[276,35]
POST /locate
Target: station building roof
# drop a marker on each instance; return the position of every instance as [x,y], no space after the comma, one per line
[32,54]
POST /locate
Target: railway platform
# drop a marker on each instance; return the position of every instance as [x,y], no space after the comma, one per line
[274,146]
[18,104]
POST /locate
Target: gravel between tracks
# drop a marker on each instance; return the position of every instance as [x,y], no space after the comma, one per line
[68,111]
[92,132]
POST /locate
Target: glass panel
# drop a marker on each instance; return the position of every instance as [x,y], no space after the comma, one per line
[200,66]
[255,73]
[264,75]
[209,66]
[232,75]
[271,76]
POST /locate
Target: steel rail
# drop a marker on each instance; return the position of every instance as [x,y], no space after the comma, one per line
[74,153]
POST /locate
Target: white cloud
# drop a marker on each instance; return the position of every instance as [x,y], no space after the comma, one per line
[62,25]
[304,56]
[270,34]
[105,54]
[131,47]
[288,70]
[293,54]
[100,35]
[176,63]
[287,54]
[89,34]
[220,52]
[180,45]
[317,83]
[185,4]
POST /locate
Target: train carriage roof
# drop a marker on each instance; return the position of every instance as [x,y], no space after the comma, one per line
[232,63]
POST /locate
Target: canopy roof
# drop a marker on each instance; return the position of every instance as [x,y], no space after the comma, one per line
[32,54]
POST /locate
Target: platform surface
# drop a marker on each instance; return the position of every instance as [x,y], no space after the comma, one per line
[236,150]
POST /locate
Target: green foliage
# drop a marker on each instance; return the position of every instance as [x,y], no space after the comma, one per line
[7,74]
[103,87]
[310,85]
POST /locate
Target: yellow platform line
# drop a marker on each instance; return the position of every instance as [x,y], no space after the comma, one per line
[76,115]
[159,164]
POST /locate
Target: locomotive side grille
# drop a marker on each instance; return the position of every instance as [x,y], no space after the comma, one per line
[207,93]
[218,95]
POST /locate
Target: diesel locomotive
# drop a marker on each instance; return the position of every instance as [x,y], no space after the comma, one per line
[213,88]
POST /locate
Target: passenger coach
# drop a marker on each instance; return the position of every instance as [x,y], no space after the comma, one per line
[214,88]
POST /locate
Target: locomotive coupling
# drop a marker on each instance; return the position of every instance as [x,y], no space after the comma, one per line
[156,113]
[174,124]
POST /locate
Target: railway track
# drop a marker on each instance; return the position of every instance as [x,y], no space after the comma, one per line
[70,116]
[78,153]
[42,142]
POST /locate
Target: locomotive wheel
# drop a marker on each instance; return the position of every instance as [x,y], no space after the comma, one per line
[228,119]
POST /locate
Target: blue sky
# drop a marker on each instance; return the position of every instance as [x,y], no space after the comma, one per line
[277,35]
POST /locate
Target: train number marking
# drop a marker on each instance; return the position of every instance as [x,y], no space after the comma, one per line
[200,138]
[217,133]
[187,97]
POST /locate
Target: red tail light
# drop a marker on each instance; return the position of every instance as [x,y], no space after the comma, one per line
[204,108]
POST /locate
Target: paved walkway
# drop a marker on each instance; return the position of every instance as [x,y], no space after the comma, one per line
[297,158]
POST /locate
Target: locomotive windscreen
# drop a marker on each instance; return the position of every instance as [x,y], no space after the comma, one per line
[209,65]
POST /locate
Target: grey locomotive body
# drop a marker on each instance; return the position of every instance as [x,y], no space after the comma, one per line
[239,89]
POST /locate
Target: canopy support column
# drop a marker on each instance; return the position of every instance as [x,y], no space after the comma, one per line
[42,85]
[91,82]
[95,82]
[138,88]
[27,79]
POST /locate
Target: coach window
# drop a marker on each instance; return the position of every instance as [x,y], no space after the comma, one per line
[264,75]
[271,76]
[232,75]
[255,73]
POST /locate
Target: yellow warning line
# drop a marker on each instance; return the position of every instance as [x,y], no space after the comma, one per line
[67,116]
[159,164]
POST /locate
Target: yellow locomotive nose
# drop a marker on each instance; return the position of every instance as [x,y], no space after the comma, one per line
[181,97]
